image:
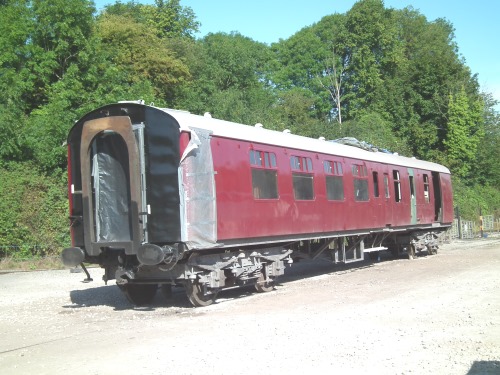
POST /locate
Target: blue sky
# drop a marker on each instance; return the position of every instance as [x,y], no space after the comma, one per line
[477,24]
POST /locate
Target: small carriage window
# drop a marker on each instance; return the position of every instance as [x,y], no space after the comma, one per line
[359,170]
[273,160]
[355,170]
[327,166]
[397,186]
[386,185]
[376,193]
[295,163]
[412,187]
[338,168]
[426,189]
[264,175]
[303,183]
[301,164]
[334,180]
[256,158]
[309,165]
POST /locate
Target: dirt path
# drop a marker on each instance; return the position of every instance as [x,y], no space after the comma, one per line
[433,315]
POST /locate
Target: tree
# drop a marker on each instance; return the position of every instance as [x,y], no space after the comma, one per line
[167,18]
[61,29]
[486,170]
[374,129]
[139,52]
[333,75]
[464,132]
[417,96]
[173,20]
[229,79]
[373,51]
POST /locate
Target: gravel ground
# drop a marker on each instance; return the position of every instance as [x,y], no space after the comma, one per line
[434,315]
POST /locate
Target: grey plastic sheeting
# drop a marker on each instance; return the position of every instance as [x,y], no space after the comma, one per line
[111,188]
[197,193]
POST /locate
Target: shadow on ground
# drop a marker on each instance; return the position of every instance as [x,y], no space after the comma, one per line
[111,295]
[485,368]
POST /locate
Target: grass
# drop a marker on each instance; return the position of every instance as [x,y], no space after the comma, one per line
[32,264]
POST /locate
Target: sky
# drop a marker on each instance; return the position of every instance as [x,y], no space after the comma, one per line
[476,23]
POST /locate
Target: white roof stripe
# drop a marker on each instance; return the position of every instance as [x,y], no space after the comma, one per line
[249,133]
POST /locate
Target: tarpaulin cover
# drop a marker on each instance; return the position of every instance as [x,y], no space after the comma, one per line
[111,188]
[198,204]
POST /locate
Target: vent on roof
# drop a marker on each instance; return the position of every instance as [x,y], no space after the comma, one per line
[259,125]
[287,131]
[140,101]
[207,115]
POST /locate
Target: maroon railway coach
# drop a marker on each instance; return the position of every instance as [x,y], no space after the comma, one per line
[160,197]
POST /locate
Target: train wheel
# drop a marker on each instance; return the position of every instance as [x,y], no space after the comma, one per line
[139,294]
[431,250]
[197,297]
[262,286]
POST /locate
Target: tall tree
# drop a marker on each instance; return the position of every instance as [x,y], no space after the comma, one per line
[231,81]
[139,52]
[61,29]
[331,79]
[464,132]
[15,30]
[167,19]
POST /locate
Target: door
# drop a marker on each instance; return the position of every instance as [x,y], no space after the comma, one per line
[110,188]
[438,205]
[111,185]
[413,196]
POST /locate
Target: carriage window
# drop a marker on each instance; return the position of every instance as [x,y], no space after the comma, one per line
[264,175]
[426,189]
[386,185]
[412,187]
[397,186]
[359,170]
[302,164]
[360,179]
[361,190]
[334,180]
[303,182]
[376,193]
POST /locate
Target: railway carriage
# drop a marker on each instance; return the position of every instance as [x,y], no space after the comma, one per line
[160,197]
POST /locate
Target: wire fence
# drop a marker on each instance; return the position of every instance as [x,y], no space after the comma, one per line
[467,229]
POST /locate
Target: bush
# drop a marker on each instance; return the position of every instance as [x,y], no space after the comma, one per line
[475,199]
[33,212]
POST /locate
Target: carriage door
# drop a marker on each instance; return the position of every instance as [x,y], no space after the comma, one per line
[438,205]
[413,197]
[146,209]
[111,184]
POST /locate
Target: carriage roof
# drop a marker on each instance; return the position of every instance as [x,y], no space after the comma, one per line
[259,134]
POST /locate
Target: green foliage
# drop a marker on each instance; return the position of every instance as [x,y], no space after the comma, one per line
[402,85]
[230,82]
[33,212]
[486,169]
[167,19]
[12,121]
[464,133]
[372,128]
[474,199]
[124,39]
[170,19]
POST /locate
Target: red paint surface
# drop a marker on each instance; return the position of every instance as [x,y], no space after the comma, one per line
[240,215]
